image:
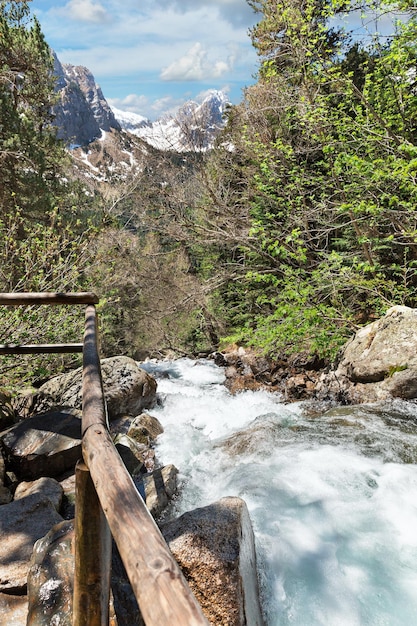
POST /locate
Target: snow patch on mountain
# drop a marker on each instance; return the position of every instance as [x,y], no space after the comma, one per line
[130,121]
[194,127]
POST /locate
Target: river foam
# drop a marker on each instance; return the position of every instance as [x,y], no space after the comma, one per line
[334,508]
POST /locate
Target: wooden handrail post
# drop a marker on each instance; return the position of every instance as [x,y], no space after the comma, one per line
[92,555]
[92,533]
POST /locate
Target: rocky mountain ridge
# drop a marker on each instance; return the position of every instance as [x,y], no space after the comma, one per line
[193,127]
[82,112]
[82,115]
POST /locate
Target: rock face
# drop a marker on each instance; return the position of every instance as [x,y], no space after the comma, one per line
[127,388]
[214,546]
[82,112]
[47,444]
[22,522]
[378,363]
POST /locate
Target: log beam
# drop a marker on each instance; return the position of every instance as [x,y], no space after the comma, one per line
[18,299]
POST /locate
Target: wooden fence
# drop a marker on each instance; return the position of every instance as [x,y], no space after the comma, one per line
[108,503]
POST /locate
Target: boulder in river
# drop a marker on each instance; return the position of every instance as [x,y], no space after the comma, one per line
[128,389]
[159,487]
[145,429]
[378,363]
[214,546]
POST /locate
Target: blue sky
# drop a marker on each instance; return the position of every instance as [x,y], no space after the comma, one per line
[149,56]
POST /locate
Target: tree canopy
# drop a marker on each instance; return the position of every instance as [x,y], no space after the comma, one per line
[326,146]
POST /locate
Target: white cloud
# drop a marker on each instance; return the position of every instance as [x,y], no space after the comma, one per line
[149,47]
[87,11]
[236,12]
[195,65]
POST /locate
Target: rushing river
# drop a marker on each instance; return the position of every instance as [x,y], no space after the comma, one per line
[332,498]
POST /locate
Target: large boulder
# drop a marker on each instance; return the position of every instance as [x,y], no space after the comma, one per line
[50,578]
[48,488]
[378,363]
[50,583]
[47,444]
[22,523]
[127,388]
[145,429]
[214,546]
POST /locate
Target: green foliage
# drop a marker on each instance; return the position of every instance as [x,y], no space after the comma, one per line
[47,256]
[31,158]
[326,146]
[43,226]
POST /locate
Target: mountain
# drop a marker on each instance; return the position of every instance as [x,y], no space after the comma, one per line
[82,112]
[108,145]
[194,126]
[129,121]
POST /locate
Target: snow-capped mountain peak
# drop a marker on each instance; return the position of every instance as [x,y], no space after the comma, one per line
[129,120]
[193,127]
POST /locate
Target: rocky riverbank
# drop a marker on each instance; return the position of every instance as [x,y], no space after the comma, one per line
[40,444]
[40,435]
[377,364]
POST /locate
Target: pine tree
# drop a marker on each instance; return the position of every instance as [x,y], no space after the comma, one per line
[30,156]
[326,140]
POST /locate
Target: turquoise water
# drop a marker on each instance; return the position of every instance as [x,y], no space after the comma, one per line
[332,496]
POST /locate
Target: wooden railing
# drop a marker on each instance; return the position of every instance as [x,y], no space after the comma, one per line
[108,503]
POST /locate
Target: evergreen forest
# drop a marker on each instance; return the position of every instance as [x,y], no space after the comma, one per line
[298,227]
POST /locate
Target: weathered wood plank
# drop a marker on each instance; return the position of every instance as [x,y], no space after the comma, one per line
[162,592]
[92,555]
[54,348]
[16,299]
[94,410]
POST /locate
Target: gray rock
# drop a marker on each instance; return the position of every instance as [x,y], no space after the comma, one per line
[127,388]
[22,523]
[44,445]
[50,583]
[214,547]
[47,488]
[145,429]
[13,610]
[160,486]
[378,363]
[383,347]
[50,578]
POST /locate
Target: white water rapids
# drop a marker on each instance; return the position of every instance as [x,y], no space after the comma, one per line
[332,498]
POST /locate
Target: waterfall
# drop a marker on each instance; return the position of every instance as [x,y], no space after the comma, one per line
[332,496]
